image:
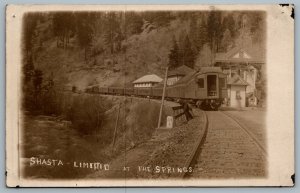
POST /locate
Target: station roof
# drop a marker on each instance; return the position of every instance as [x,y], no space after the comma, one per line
[148,78]
[249,54]
[237,80]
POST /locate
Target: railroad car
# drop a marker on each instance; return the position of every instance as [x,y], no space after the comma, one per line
[95,89]
[103,90]
[144,92]
[129,91]
[116,90]
[157,92]
[89,89]
[207,89]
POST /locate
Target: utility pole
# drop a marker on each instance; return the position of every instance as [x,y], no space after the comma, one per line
[116,126]
[163,98]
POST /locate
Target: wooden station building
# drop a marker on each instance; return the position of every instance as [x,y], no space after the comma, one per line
[241,63]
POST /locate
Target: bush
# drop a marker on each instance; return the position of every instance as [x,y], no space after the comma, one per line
[88,114]
[144,120]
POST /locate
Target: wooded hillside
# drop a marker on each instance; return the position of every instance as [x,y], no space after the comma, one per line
[114,48]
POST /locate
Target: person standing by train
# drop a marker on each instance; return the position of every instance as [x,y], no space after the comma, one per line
[186,110]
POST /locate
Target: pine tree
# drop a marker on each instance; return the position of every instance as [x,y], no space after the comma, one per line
[214,32]
[201,35]
[188,55]
[226,40]
[134,23]
[193,34]
[229,23]
[85,32]
[112,33]
[63,27]
[214,28]
[158,18]
[174,55]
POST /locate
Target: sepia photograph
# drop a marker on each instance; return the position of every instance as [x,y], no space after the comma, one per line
[143,95]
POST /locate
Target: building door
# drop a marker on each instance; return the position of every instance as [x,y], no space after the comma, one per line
[238,98]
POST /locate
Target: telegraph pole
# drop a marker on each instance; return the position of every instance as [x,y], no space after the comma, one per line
[163,98]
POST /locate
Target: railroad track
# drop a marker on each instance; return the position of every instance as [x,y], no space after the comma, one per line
[248,132]
[227,149]
[197,148]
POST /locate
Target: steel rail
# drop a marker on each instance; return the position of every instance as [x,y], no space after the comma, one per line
[191,160]
[247,131]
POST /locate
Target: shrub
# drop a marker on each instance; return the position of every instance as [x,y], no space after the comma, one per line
[88,114]
[146,120]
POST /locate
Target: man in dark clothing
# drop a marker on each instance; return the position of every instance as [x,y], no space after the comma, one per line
[186,110]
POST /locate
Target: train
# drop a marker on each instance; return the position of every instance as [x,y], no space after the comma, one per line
[206,89]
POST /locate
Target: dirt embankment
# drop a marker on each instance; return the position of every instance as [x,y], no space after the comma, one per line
[164,155]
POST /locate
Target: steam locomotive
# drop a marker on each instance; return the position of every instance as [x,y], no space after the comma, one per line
[206,88]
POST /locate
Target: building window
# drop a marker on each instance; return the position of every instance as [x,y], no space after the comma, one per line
[201,82]
[238,95]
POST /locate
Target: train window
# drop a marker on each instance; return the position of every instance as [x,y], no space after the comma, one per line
[201,82]
[222,83]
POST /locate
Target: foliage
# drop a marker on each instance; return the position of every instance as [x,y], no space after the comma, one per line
[85,31]
[88,115]
[112,35]
[31,21]
[227,41]
[230,24]
[158,18]
[64,26]
[37,80]
[102,33]
[28,70]
[201,37]
[193,33]
[134,23]
[214,29]
[187,55]
[204,57]
[174,55]
[198,36]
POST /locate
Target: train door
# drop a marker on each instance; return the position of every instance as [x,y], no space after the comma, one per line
[200,87]
[212,85]
[222,86]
